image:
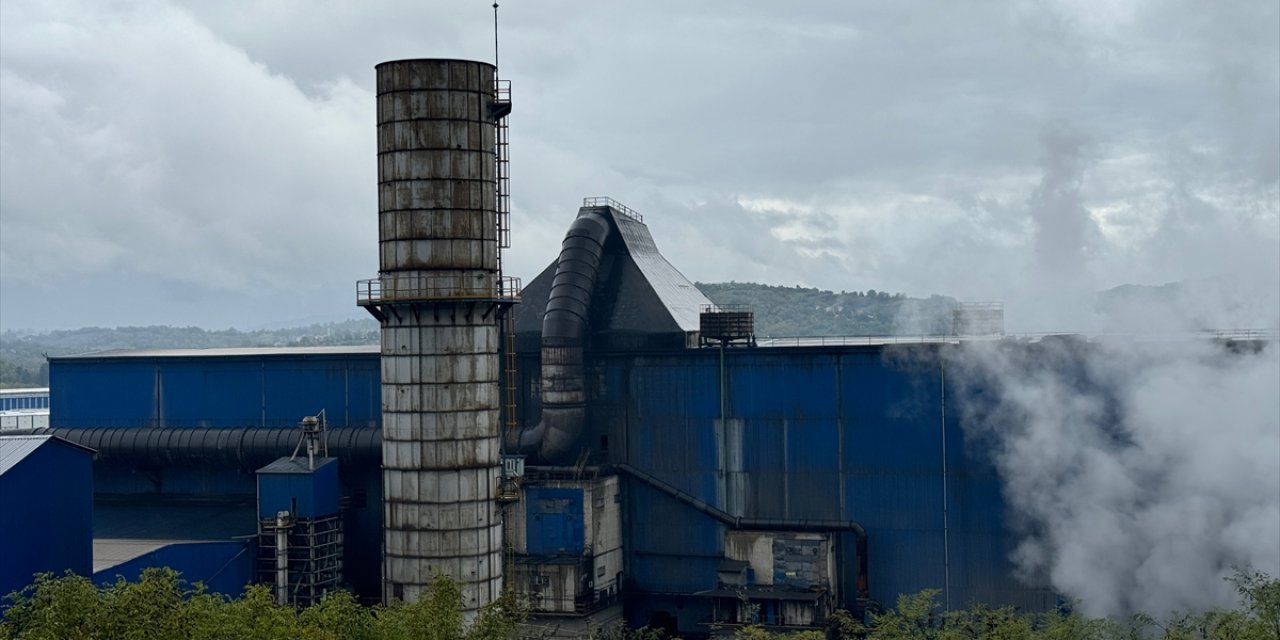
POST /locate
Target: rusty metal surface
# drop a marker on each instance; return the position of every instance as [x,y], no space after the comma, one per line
[436,295]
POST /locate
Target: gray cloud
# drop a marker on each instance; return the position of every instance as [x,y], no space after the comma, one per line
[226,148]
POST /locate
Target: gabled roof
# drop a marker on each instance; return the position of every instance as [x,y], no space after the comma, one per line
[15,449]
[640,293]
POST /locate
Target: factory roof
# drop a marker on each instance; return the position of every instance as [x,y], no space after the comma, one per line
[25,391]
[125,531]
[167,522]
[846,341]
[296,465]
[225,352]
[15,449]
[681,299]
[641,297]
[110,552]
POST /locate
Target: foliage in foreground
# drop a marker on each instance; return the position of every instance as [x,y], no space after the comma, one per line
[918,617]
[162,606]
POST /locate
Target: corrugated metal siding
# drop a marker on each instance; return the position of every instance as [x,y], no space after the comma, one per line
[832,433]
[554,520]
[24,399]
[224,567]
[287,485]
[271,390]
[46,522]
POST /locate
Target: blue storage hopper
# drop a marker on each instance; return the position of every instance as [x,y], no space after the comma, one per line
[289,484]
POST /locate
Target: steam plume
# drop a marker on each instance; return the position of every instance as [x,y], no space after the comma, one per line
[1138,473]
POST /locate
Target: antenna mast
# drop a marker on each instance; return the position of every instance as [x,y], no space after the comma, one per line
[495,35]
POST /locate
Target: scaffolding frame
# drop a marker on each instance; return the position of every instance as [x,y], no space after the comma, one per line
[313,554]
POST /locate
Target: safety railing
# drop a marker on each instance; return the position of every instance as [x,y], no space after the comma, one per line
[373,292]
[606,201]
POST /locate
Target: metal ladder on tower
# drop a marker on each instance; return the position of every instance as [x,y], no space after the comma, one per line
[502,172]
[502,204]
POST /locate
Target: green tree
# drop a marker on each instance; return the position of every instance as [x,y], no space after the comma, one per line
[54,608]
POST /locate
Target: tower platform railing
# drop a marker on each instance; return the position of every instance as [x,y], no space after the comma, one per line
[606,201]
[374,291]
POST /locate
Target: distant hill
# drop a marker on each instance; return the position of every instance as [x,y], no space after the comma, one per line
[779,311]
[22,354]
[797,311]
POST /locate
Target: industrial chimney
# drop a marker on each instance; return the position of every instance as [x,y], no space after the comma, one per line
[439,296]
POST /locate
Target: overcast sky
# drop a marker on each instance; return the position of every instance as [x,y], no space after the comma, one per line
[212,163]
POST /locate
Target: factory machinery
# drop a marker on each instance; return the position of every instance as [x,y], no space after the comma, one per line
[604,440]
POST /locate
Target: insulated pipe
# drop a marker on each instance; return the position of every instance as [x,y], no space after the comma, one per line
[282,558]
[245,447]
[564,328]
[765,524]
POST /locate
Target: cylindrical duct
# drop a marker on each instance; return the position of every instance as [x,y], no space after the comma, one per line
[243,447]
[564,330]
[438,245]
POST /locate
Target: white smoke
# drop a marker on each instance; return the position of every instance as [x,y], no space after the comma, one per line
[1139,473]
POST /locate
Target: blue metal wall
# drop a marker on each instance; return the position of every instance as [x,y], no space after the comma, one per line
[848,433]
[223,567]
[554,520]
[24,399]
[270,389]
[46,514]
[828,433]
[287,485]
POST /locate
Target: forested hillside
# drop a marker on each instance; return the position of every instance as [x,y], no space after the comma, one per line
[22,355]
[797,311]
[779,311]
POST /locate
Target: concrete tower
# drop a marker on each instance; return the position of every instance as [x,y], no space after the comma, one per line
[439,296]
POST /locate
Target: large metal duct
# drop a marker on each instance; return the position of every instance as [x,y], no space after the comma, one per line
[242,447]
[564,330]
[438,297]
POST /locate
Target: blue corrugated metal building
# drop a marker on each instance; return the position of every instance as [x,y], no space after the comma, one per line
[184,395]
[869,433]
[46,508]
[289,484]
[24,399]
[266,387]
[827,433]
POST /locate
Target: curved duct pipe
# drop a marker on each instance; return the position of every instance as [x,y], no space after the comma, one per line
[564,328]
[766,524]
[244,447]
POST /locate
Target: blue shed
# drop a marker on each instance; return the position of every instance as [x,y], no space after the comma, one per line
[288,484]
[46,508]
